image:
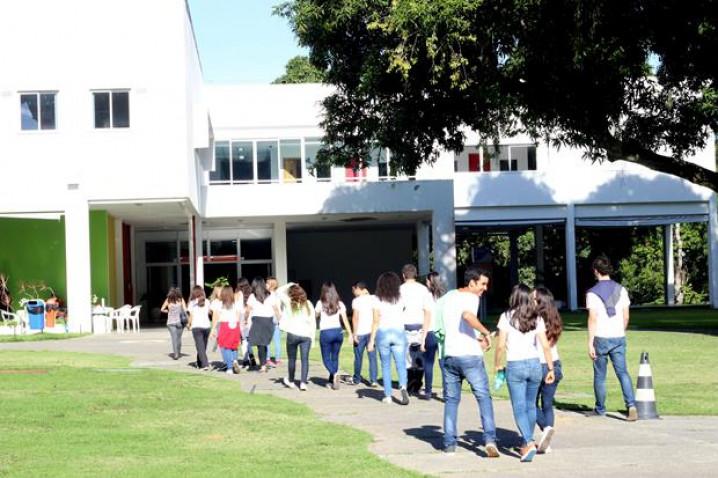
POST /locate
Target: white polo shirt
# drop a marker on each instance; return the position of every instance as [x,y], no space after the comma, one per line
[364,307]
[461,339]
[416,298]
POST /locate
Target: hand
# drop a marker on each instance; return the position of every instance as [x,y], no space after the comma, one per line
[423,347]
[549,377]
[356,339]
[370,346]
[591,352]
[485,342]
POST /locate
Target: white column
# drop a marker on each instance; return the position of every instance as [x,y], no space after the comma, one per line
[77,260]
[668,266]
[279,251]
[191,251]
[713,251]
[423,247]
[119,265]
[199,244]
[571,257]
[444,235]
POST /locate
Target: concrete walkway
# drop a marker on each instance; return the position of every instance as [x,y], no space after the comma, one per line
[410,436]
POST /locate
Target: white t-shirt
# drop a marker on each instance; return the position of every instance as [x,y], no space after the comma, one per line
[262,309]
[231,315]
[199,314]
[302,323]
[554,354]
[608,327]
[391,316]
[461,338]
[363,305]
[521,346]
[327,321]
[215,305]
[416,298]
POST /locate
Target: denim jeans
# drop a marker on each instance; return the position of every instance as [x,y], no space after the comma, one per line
[201,335]
[523,378]
[359,347]
[330,342]
[275,346]
[229,356]
[431,346]
[471,368]
[392,342]
[615,349]
[295,342]
[176,336]
[546,392]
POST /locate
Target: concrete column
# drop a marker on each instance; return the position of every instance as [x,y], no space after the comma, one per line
[668,266]
[540,263]
[423,247]
[191,252]
[199,257]
[279,251]
[571,257]
[444,239]
[77,260]
[713,251]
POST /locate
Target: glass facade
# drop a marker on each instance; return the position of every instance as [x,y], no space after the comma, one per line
[242,161]
[267,161]
[291,160]
[37,111]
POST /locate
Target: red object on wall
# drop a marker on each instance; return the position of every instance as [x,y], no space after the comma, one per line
[474,162]
[487,164]
[353,172]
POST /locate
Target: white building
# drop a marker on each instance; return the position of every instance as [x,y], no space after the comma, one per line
[154,179]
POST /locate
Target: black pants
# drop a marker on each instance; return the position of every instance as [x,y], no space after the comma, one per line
[303,344]
[200,342]
[262,353]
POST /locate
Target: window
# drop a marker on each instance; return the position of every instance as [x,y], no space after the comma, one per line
[267,161]
[311,148]
[379,157]
[256,249]
[242,161]
[291,160]
[112,109]
[510,158]
[221,162]
[37,111]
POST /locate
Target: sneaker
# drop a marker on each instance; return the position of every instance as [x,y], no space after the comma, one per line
[287,383]
[374,385]
[492,450]
[632,414]
[528,453]
[423,396]
[404,397]
[235,367]
[545,441]
[386,400]
[449,450]
[303,386]
[548,450]
[229,371]
[263,369]
[335,382]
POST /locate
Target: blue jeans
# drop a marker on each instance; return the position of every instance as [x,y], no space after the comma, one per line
[392,342]
[523,378]
[276,344]
[615,348]
[431,346]
[330,343]
[359,347]
[546,392]
[471,368]
[229,356]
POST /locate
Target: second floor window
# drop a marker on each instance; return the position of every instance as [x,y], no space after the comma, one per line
[112,109]
[37,111]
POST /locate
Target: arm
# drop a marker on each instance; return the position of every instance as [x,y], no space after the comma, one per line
[499,352]
[190,314]
[425,328]
[345,320]
[214,320]
[355,323]
[374,327]
[591,333]
[476,324]
[626,316]
[164,308]
[547,355]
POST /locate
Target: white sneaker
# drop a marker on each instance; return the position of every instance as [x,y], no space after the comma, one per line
[386,400]
[288,384]
[545,441]
[303,386]
[229,371]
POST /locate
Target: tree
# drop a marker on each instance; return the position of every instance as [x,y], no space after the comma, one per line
[300,70]
[411,74]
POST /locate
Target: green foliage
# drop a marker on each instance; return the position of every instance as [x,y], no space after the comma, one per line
[218,282]
[642,272]
[411,74]
[300,70]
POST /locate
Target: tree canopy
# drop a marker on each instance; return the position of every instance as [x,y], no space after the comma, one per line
[631,80]
[300,70]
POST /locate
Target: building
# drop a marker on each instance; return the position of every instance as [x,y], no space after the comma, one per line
[124,174]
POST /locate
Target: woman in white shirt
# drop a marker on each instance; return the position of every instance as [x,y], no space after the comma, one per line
[199,324]
[520,332]
[330,310]
[261,310]
[300,324]
[430,345]
[388,333]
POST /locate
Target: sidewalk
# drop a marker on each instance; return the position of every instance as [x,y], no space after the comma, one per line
[410,436]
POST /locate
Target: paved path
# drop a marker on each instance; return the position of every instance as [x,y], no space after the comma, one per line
[410,436]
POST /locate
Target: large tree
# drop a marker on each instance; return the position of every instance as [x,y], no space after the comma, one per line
[300,70]
[630,80]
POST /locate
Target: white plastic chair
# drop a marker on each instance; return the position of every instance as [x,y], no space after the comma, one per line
[134,318]
[124,318]
[18,319]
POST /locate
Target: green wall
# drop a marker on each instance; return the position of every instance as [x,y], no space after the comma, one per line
[100,255]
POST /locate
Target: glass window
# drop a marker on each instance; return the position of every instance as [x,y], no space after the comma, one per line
[510,158]
[267,161]
[379,157]
[102,110]
[224,248]
[28,111]
[291,160]
[120,109]
[221,162]
[311,148]
[160,251]
[242,153]
[253,249]
[250,271]
[37,111]
[47,111]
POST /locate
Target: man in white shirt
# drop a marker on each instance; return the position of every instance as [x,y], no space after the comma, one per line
[417,317]
[362,319]
[463,357]
[608,313]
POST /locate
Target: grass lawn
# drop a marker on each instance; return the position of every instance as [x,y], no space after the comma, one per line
[38,337]
[68,414]
[681,343]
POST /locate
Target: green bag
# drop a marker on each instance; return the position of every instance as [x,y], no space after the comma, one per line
[439,328]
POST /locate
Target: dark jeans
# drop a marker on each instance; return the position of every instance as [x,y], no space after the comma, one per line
[431,346]
[176,336]
[262,353]
[359,358]
[200,342]
[546,392]
[330,342]
[615,349]
[303,344]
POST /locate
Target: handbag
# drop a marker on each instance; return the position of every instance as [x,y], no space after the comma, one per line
[183,318]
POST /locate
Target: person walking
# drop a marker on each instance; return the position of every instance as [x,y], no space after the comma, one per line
[174,306]
[227,319]
[387,333]
[546,309]
[417,317]
[275,347]
[608,315]
[464,357]
[199,324]
[362,318]
[262,309]
[299,323]
[520,330]
[242,292]
[332,314]
[430,345]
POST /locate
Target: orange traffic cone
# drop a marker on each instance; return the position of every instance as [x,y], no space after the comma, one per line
[645,395]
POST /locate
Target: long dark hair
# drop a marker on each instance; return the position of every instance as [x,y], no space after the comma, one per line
[244,287]
[435,284]
[387,287]
[259,289]
[522,312]
[298,298]
[329,298]
[547,310]
[198,295]
[174,295]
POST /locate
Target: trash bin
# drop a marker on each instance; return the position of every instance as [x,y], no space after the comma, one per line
[36,314]
[52,306]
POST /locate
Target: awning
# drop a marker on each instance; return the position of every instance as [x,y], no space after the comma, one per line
[630,221]
[510,222]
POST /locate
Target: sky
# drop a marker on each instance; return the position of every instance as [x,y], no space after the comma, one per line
[240,41]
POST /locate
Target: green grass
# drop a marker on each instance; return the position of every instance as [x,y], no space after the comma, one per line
[682,345]
[38,337]
[92,415]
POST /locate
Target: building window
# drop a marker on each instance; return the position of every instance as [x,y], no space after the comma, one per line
[379,157]
[510,158]
[242,161]
[290,157]
[221,171]
[37,111]
[267,161]
[311,148]
[112,109]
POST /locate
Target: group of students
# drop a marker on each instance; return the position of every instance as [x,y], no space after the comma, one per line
[404,315]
